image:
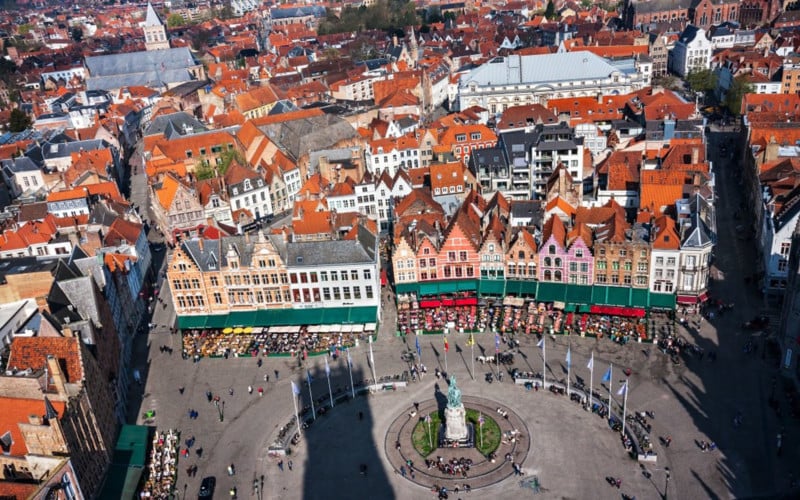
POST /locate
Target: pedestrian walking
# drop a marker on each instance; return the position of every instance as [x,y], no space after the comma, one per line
[260,362]
[289,464]
[230,391]
[280,465]
[249,389]
[260,391]
[277,375]
[181,389]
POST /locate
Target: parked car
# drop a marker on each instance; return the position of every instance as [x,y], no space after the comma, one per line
[207,488]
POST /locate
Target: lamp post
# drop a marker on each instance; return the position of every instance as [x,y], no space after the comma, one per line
[666,484]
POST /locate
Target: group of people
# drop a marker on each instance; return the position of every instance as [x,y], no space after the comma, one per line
[452,467]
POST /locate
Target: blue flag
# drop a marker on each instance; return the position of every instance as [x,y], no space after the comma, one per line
[419,349]
[497,342]
[569,357]
[607,375]
[541,343]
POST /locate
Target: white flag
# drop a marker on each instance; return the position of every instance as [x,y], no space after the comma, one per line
[624,389]
[590,365]
[327,368]
[541,343]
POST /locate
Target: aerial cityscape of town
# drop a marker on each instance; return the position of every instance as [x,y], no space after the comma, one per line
[379,249]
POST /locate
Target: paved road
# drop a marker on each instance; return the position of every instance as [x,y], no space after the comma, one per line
[695,400]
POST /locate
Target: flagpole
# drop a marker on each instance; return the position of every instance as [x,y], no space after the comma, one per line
[296,414]
[569,366]
[372,362]
[350,369]
[610,383]
[591,379]
[544,362]
[472,355]
[430,436]
[446,348]
[328,373]
[311,395]
[624,408]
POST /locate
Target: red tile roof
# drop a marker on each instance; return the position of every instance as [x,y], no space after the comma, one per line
[17,411]
[32,352]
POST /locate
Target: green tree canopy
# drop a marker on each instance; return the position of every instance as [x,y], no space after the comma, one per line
[383,15]
[733,99]
[18,121]
[175,20]
[703,80]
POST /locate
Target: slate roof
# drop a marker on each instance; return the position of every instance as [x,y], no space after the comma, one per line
[18,164]
[300,137]
[152,18]
[334,252]
[537,69]
[174,124]
[697,234]
[147,68]
[528,209]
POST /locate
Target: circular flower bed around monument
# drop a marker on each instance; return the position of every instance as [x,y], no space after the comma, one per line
[487,436]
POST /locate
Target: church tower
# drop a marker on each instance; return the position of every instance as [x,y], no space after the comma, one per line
[155,35]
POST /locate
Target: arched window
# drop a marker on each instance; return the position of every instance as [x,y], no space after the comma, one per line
[551,249]
[548,262]
[558,262]
[547,276]
[558,276]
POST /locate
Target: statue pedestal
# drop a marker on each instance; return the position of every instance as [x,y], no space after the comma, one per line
[455,424]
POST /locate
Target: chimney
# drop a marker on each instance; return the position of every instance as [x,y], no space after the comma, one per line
[55,374]
[67,331]
[695,155]
[201,243]
[34,420]
[600,98]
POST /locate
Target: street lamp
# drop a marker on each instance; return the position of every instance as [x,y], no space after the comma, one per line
[666,485]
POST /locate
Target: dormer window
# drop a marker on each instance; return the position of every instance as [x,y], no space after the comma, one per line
[247,185]
[235,191]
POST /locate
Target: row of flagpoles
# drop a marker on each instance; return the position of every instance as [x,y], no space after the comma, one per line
[607,376]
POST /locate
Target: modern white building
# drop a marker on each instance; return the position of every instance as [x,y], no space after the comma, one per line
[22,175]
[698,238]
[692,52]
[516,80]
[247,190]
[390,155]
[335,273]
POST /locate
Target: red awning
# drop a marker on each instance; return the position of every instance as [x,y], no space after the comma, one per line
[703,297]
[631,312]
[448,302]
[384,278]
[471,301]
[687,299]
[429,304]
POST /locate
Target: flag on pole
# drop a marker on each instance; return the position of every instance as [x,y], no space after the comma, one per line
[349,361]
[622,390]
[308,377]
[607,375]
[327,368]
[541,343]
[428,418]
[471,341]
[446,345]
[419,349]
[481,420]
[496,342]
[569,357]
[590,364]
[295,389]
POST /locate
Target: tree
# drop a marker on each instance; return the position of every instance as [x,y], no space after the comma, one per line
[702,80]
[667,81]
[733,98]
[18,121]
[175,20]
[550,10]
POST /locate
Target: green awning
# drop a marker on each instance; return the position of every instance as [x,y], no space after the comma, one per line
[241,318]
[619,296]
[467,285]
[216,321]
[584,308]
[492,287]
[127,463]
[662,300]
[363,314]
[640,297]
[599,294]
[551,292]
[428,289]
[570,307]
[406,287]
[189,322]
[579,294]
[529,288]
